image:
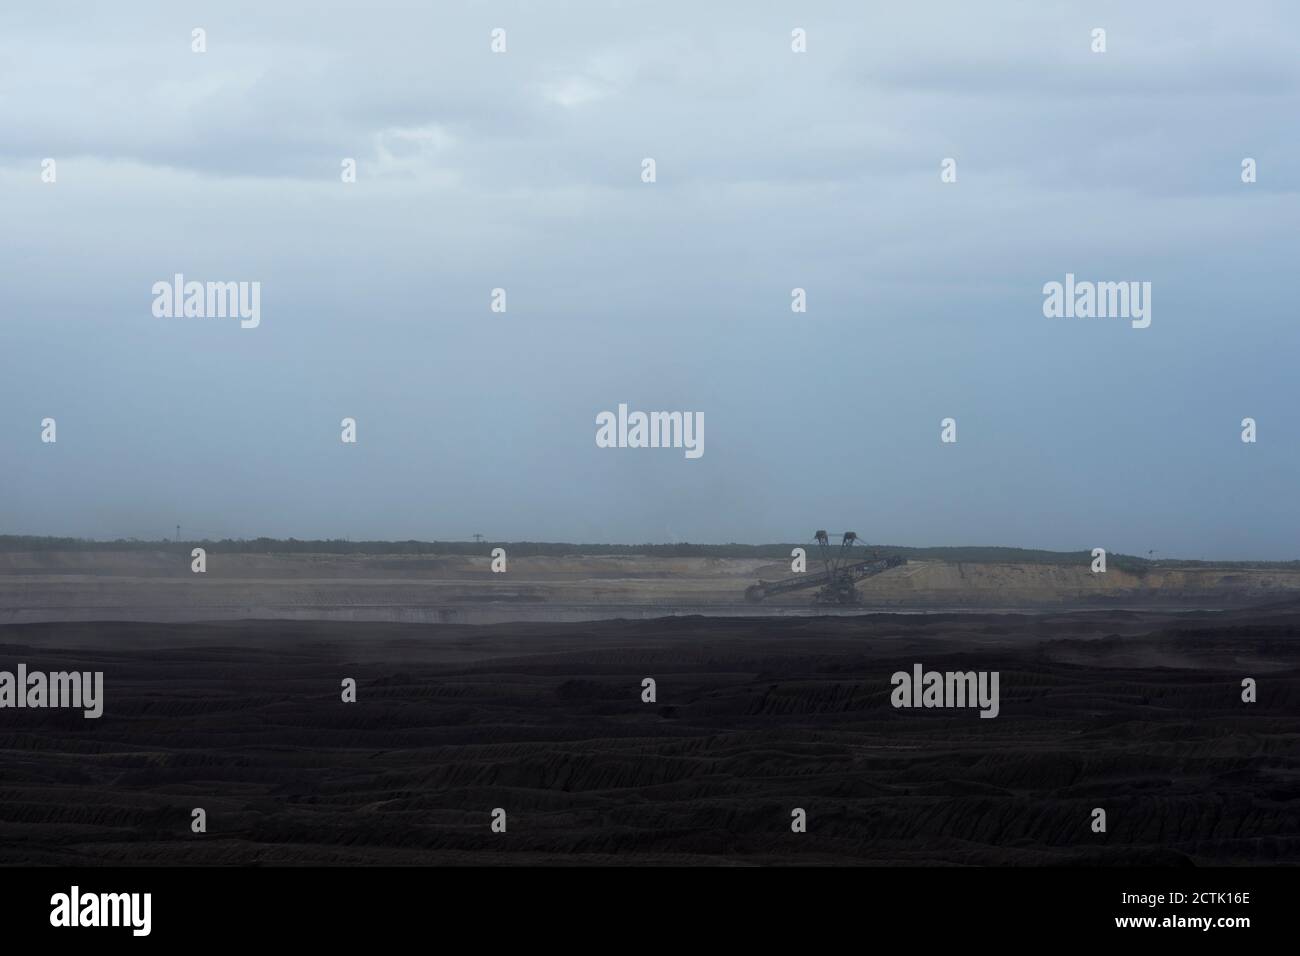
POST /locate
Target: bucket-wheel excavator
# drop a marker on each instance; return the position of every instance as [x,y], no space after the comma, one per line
[837,581]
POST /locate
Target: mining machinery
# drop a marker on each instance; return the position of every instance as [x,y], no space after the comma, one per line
[837,581]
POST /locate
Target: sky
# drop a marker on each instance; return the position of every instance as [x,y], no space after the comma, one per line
[774,170]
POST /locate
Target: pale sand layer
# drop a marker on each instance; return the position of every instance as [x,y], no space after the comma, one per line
[160,586]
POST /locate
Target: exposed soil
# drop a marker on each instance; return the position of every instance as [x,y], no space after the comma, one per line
[1137,713]
[160,586]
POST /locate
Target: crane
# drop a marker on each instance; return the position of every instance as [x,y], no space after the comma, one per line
[839,575]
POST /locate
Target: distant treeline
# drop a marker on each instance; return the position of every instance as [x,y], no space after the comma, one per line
[977,555]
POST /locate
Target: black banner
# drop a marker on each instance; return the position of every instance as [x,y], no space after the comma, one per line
[333,906]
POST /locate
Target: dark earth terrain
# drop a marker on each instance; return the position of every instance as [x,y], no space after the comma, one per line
[1137,713]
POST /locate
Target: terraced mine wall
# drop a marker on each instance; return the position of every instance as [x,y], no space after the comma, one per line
[160,585]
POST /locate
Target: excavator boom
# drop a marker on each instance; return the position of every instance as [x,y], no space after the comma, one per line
[837,581]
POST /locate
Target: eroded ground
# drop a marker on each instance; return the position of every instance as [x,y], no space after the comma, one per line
[160,586]
[1138,713]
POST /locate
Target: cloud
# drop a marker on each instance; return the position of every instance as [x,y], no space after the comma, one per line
[776,170]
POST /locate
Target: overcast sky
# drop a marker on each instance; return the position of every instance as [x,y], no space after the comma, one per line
[775,170]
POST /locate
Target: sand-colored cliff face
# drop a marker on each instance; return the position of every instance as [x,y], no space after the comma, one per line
[160,585]
[1031,584]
